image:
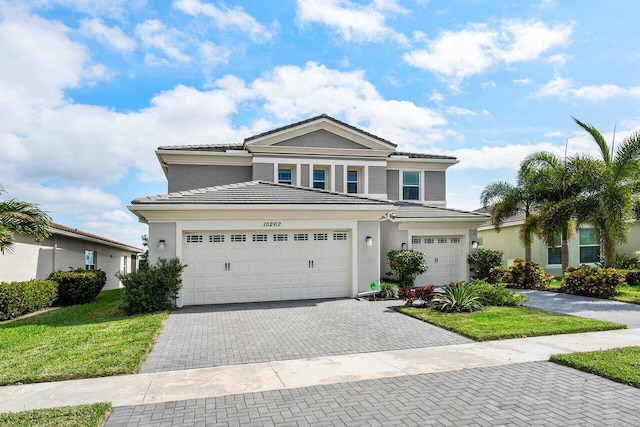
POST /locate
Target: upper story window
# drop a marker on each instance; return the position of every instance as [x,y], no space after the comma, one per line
[410,185]
[285,176]
[589,246]
[352,181]
[319,179]
[90,260]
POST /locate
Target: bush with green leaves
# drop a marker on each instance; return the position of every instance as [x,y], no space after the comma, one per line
[497,294]
[590,281]
[18,298]
[78,286]
[153,287]
[633,277]
[407,265]
[522,275]
[626,262]
[388,290]
[483,260]
[459,297]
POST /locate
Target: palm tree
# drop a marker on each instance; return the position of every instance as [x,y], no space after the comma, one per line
[505,200]
[612,196]
[24,218]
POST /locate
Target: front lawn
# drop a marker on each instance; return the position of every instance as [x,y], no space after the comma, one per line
[68,416]
[618,364]
[90,340]
[495,323]
[628,293]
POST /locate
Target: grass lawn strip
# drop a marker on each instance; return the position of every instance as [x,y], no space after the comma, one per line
[90,340]
[618,364]
[628,293]
[496,323]
[68,416]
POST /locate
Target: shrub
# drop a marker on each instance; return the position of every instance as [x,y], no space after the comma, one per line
[626,262]
[388,290]
[522,275]
[407,265]
[17,298]
[459,297]
[498,294]
[407,294]
[483,260]
[153,287]
[78,286]
[591,281]
[633,278]
[426,294]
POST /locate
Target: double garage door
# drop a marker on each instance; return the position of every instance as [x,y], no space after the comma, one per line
[249,266]
[444,258]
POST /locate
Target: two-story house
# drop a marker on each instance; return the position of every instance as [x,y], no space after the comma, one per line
[304,211]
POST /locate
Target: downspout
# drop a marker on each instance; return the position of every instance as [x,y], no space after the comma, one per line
[53,253]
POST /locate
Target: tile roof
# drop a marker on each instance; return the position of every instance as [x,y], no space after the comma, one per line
[214,147]
[92,236]
[421,156]
[258,192]
[416,210]
[312,119]
[512,220]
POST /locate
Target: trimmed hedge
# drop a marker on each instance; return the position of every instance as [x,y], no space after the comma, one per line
[591,281]
[633,277]
[522,275]
[18,298]
[78,286]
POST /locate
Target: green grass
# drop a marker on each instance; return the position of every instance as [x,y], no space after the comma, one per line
[619,364]
[628,293]
[90,340]
[68,416]
[495,323]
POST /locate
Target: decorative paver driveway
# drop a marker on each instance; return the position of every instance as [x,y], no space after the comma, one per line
[595,308]
[203,336]
[526,394]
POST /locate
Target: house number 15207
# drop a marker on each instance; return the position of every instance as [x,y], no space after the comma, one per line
[272,224]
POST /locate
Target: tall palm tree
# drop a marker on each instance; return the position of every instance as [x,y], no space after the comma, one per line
[24,218]
[612,195]
[505,200]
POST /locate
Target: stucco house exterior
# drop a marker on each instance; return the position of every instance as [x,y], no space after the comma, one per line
[308,210]
[67,248]
[584,247]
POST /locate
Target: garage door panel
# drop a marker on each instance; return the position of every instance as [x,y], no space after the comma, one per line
[443,255]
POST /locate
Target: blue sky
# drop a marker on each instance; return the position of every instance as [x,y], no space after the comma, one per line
[89,88]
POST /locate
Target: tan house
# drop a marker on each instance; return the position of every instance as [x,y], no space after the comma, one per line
[67,248]
[584,247]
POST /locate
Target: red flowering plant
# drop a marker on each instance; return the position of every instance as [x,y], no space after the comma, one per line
[407,265]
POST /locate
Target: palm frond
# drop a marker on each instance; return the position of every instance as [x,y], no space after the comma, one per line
[598,138]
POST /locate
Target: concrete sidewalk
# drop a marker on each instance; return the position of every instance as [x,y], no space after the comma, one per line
[237,379]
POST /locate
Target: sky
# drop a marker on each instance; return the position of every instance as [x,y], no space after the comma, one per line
[90,88]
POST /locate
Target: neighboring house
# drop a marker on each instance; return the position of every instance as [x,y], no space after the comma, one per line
[304,211]
[584,247]
[67,248]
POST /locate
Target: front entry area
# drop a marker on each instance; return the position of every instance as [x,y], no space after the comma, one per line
[444,256]
[255,265]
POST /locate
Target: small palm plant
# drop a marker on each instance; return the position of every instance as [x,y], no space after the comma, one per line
[459,297]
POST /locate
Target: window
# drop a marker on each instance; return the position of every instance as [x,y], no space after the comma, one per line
[352,182]
[340,236]
[415,240]
[125,262]
[410,185]
[280,237]
[442,240]
[554,255]
[429,240]
[455,240]
[319,180]
[90,260]
[320,236]
[259,238]
[589,246]
[216,238]
[300,237]
[285,176]
[194,238]
[238,238]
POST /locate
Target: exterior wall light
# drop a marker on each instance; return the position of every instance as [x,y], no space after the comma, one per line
[369,241]
[403,246]
[474,244]
[161,245]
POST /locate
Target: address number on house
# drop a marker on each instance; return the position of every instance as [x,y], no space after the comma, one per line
[271,224]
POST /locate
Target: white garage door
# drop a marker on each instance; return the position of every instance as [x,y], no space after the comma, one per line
[444,258]
[248,266]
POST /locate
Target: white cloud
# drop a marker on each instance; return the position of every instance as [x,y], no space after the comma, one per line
[436,96]
[211,54]
[111,36]
[154,34]
[456,55]
[109,8]
[226,17]
[458,111]
[553,134]
[353,21]
[523,82]
[68,199]
[563,88]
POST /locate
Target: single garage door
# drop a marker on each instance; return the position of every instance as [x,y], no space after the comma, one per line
[444,258]
[249,266]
